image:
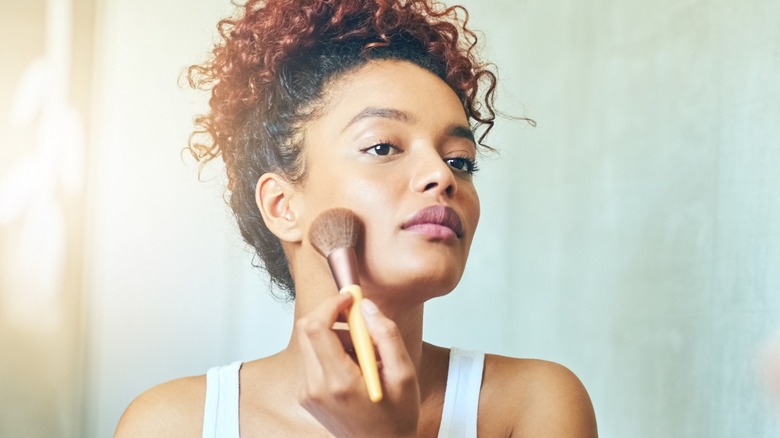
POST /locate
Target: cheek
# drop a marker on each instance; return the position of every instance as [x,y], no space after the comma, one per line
[476,209]
[372,196]
[376,201]
[344,189]
[469,207]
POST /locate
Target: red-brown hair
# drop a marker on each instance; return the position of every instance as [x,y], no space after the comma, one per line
[271,68]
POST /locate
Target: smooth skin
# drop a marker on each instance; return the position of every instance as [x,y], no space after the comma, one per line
[391,140]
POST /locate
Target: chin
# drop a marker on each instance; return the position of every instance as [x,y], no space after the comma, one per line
[412,284]
[412,272]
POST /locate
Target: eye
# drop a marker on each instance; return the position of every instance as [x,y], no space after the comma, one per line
[465,165]
[383,148]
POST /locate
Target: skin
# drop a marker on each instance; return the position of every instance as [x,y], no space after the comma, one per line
[313,387]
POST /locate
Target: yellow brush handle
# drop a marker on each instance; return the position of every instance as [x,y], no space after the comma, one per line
[363,345]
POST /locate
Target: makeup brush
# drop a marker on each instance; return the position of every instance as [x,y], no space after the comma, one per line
[334,234]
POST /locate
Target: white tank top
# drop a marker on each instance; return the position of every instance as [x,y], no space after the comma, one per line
[458,418]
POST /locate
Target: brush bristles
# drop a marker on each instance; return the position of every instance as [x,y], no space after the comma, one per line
[334,228]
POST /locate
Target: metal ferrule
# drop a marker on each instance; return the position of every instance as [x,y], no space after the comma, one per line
[343,265]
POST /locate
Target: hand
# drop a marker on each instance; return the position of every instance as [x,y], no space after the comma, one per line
[334,391]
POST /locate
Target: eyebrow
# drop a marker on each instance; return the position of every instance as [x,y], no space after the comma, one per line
[459,131]
[385,113]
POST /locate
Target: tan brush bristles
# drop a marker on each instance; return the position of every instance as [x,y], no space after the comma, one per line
[334,228]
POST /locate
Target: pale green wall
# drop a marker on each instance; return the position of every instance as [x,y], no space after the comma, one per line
[635,234]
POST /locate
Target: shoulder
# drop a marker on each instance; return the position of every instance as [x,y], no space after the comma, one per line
[171,409]
[537,398]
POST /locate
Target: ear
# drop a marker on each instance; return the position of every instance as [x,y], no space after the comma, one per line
[273,196]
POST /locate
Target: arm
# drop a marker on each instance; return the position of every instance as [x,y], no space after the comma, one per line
[173,409]
[539,399]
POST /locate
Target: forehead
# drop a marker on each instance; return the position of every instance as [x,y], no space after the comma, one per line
[399,85]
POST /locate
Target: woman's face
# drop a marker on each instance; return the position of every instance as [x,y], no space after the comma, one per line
[393,144]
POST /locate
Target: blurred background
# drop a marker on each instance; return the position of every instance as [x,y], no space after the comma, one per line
[633,235]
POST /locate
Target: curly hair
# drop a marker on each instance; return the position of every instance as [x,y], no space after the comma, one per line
[269,72]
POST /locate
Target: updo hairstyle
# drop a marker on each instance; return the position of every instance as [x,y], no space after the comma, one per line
[267,77]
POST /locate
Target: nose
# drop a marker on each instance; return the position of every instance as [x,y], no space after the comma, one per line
[434,176]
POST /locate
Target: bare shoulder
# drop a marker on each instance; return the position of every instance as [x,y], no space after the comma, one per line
[537,398]
[171,409]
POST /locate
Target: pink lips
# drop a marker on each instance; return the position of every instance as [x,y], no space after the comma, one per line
[437,221]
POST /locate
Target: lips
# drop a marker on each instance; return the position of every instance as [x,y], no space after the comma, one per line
[436,216]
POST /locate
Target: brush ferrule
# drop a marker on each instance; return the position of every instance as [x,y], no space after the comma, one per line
[343,265]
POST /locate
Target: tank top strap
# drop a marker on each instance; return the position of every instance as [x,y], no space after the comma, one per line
[461,397]
[220,418]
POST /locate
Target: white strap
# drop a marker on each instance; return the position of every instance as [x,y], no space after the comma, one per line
[461,397]
[220,418]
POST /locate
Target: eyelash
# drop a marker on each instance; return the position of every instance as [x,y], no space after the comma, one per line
[470,164]
[382,143]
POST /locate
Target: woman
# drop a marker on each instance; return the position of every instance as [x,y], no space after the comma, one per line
[369,105]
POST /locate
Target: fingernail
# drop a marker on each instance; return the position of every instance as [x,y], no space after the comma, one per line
[369,308]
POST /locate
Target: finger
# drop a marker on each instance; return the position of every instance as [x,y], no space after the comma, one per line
[322,342]
[397,367]
[309,323]
[311,364]
[342,332]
